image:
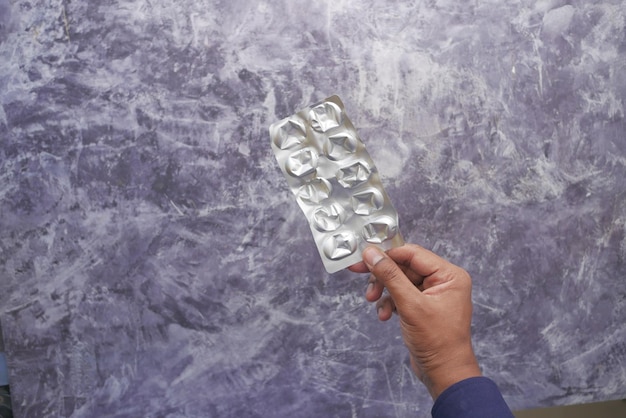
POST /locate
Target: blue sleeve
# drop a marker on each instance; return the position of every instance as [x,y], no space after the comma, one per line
[476,397]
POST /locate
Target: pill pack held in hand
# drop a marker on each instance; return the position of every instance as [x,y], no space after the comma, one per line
[336,183]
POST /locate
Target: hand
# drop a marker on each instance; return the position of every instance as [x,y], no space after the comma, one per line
[433,300]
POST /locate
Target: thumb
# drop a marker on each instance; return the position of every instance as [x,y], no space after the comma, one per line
[393,278]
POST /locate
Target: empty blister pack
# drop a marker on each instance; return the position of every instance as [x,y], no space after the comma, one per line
[335,182]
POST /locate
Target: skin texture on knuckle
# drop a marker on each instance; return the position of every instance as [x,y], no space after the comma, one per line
[464,274]
[464,278]
[457,275]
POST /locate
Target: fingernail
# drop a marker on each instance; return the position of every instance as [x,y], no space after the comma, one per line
[372,256]
[370,288]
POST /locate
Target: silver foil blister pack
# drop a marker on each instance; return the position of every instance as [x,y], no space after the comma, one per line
[336,183]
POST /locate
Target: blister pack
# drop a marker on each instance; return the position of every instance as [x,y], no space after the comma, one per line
[336,183]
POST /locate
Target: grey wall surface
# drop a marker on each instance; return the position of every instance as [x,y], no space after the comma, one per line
[154,263]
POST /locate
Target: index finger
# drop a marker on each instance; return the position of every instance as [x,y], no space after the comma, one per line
[359,267]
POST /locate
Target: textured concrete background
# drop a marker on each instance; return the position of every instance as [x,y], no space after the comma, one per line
[154,262]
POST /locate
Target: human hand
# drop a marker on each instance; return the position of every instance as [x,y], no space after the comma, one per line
[433,300]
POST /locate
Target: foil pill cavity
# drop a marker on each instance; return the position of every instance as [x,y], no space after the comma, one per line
[367,201]
[329,218]
[315,191]
[326,116]
[301,163]
[339,246]
[353,175]
[379,230]
[340,146]
[290,134]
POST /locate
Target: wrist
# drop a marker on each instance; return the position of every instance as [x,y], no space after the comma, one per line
[458,366]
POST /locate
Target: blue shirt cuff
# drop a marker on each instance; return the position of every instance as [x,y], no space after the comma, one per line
[476,397]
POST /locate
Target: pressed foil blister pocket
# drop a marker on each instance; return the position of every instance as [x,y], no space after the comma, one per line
[335,182]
